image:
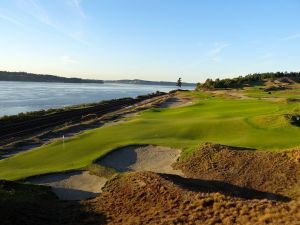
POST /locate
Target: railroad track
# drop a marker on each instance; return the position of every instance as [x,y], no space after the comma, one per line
[29,127]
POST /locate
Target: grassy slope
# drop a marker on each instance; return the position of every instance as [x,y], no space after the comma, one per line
[290,93]
[250,123]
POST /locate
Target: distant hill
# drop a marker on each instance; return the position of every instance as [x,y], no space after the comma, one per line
[146,82]
[31,77]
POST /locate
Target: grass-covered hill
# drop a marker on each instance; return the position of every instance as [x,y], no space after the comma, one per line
[145,198]
[248,118]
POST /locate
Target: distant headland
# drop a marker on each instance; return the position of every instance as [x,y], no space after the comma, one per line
[31,77]
[147,82]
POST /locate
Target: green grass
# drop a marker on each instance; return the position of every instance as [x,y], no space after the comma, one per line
[101,171]
[289,93]
[248,123]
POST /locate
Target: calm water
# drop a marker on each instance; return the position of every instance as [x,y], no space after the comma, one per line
[16,97]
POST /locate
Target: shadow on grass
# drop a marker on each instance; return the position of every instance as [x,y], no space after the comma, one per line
[121,158]
[43,212]
[227,147]
[168,103]
[26,204]
[73,194]
[199,185]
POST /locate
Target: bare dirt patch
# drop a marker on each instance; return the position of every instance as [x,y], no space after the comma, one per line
[75,185]
[177,101]
[143,158]
[263,171]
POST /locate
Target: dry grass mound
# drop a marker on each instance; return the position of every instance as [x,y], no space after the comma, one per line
[149,198]
[145,198]
[262,171]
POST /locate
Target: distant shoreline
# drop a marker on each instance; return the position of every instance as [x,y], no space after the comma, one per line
[72,119]
[31,77]
[170,84]
[146,82]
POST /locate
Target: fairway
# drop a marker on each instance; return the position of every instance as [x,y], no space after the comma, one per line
[251,123]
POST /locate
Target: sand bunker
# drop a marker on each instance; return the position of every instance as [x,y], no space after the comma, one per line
[176,102]
[79,185]
[143,158]
[75,185]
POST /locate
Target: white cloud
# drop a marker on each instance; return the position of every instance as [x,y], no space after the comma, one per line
[216,50]
[36,10]
[11,20]
[267,55]
[212,55]
[76,4]
[64,59]
[291,37]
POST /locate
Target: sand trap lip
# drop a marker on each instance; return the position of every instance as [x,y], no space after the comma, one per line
[143,158]
[75,185]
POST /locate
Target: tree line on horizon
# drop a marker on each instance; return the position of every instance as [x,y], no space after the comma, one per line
[26,77]
[242,81]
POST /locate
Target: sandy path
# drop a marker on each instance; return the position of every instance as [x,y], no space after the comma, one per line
[75,185]
[143,158]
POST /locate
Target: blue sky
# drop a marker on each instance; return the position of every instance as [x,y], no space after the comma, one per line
[150,39]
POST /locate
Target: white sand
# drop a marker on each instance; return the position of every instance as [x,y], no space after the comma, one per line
[78,185]
[75,185]
[143,158]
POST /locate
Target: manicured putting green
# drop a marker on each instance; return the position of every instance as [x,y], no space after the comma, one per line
[247,123]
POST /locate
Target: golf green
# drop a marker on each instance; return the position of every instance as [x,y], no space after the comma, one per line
[251,123]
